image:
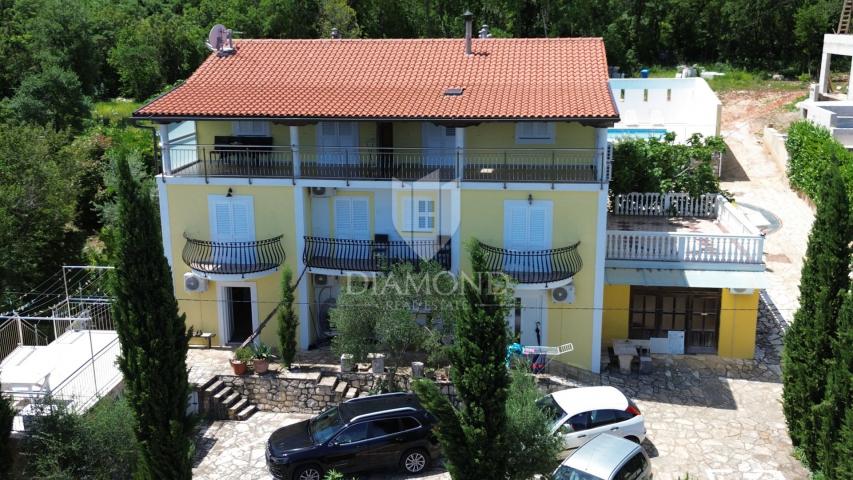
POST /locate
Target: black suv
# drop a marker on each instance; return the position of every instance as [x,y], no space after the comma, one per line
[360,434]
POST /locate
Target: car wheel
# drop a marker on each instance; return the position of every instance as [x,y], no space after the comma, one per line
[414,461]
[308,472]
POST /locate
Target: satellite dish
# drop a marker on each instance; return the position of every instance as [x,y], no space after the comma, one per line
[219,40]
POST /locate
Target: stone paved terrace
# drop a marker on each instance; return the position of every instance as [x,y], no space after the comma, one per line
[714,418]
[633,223]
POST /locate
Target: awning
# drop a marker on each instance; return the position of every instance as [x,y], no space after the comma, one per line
[684,278]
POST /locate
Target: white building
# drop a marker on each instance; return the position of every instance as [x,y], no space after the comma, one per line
[829,105]
[654,106]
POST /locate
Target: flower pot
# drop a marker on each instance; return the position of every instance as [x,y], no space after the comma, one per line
[347,364]
[261,365]
[239,367]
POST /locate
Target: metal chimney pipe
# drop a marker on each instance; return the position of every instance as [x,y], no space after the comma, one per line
[469,27]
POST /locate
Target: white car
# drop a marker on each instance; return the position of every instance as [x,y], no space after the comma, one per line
[581,414]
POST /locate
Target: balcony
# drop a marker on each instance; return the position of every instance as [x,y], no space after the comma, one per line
[534,268]
[650,230]
[371,255]
[545,165]
[226,259]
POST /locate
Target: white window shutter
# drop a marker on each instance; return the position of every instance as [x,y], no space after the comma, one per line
[241,221]
[518,227]
[537,228]
[343,218]
[223,228]
[361,218]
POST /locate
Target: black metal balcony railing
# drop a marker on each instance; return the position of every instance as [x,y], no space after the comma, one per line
[535,266]
[550,165]
[371,255]
[233,258]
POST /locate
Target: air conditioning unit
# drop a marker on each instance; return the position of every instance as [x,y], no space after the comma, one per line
[320,280]
[322,192]
[741,291]
[563,294]
[194,283]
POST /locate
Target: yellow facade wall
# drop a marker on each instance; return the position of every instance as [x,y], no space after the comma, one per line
[738,317]
[188,212]
[502,135]
[208,130]
[575,216]
[408,134]
[614,322]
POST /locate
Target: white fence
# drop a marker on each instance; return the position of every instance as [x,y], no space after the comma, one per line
[651,204]
[16,331]
[97,377]
[743,244]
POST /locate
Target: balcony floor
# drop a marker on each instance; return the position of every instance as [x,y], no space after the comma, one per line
[477,173]
[633,223]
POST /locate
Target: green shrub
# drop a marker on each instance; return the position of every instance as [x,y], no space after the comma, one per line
[661,165]
[812,150]
[97,445]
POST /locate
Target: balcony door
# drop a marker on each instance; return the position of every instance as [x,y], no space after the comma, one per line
[440,144]
[352,222]
[338,142]
[527,227]
[232,225]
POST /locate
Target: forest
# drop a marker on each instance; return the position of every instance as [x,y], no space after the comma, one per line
[72,70]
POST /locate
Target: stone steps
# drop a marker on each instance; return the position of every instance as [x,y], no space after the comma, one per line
[352,392]
[247,412]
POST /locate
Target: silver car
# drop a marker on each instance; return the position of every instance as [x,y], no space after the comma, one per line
[606,457]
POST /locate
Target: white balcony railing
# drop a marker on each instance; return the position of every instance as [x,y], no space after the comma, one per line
[525,165]
[736,241]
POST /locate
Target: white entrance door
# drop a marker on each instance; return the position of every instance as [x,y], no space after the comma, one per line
[528,318]
[527,227]
[440,144]
[338,142]
[232,221]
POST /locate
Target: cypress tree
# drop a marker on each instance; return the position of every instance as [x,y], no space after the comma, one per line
[287,321]
[835,455]
[808,342]
[472,436]
[153,335]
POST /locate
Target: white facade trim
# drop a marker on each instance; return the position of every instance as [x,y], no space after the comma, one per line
[455,236]
[305,319]
[598,292]
[376,185]
[165,225]
[294,147]
[165,148]
[224,328]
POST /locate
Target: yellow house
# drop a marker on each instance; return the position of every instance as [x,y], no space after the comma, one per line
[333,157]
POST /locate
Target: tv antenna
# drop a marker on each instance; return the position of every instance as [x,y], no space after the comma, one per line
[220,40]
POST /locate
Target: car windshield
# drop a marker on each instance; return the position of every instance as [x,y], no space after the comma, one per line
[569,473]
[551,409]
[323,426]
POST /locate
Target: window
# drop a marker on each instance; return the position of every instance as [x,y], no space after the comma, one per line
[655,312]
[526,226]
[599,418]
[409,423]
[419,215]
[380,428]
[534,132]
[231,218]
[354,433]
[579,422]
[352,218]
[251,128]
[633,468]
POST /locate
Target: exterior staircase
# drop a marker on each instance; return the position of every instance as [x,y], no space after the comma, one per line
[223,402]
[846,14]
[337,390]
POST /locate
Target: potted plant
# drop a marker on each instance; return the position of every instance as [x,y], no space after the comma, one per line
[241,359]
[261,355]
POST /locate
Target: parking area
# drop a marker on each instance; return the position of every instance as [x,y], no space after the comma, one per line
[711,418]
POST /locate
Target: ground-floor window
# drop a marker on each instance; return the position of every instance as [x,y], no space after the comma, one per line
[657,310]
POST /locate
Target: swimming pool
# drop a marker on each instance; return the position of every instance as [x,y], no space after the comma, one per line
[633,133]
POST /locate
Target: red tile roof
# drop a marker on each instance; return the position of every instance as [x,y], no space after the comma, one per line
[552,78]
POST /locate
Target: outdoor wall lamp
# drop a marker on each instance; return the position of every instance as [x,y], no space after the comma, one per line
[530,199]
[230,193]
